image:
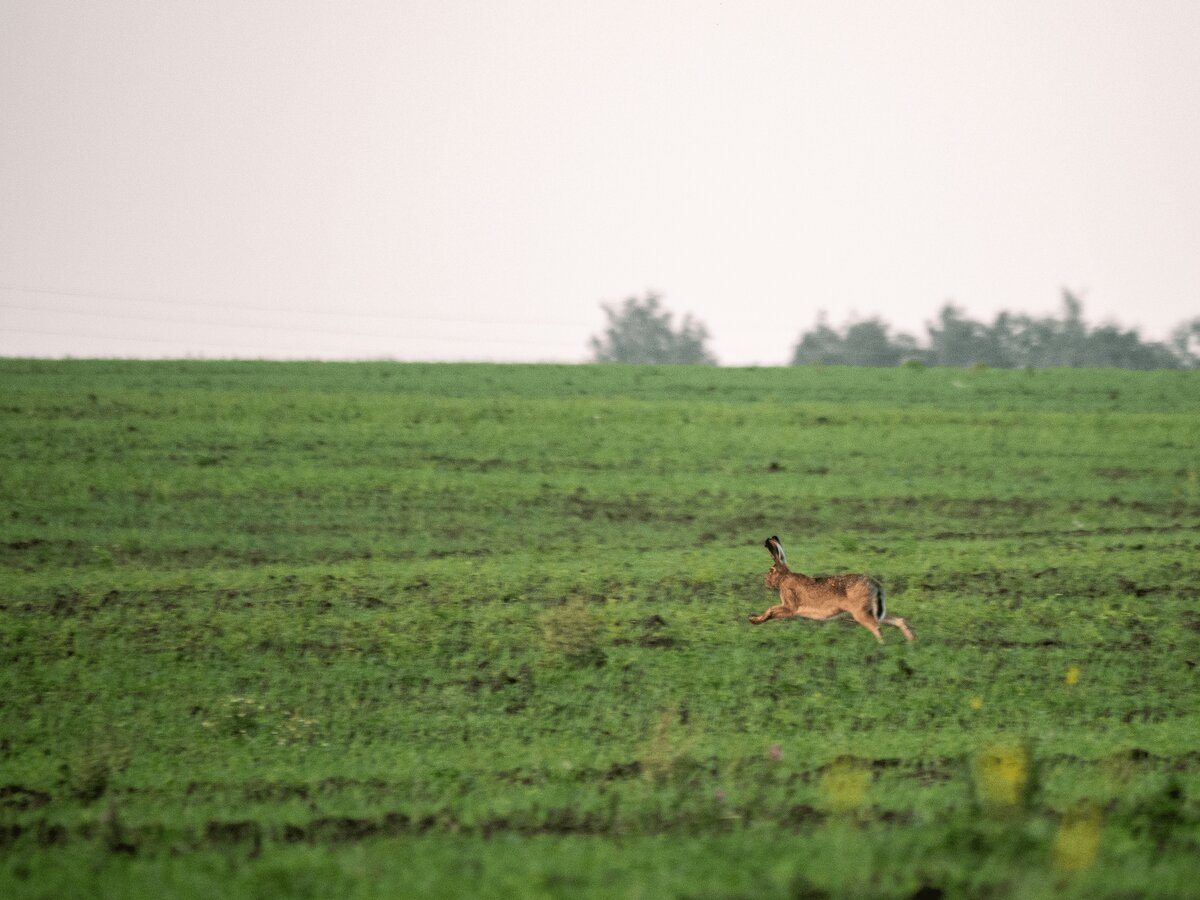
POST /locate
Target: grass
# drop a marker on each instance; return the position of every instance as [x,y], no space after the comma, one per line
[384,630]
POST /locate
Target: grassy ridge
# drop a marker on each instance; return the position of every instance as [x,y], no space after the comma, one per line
[436,629]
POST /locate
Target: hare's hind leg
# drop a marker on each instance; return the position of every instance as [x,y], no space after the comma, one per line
[778,611]
[867,621]
[899,623]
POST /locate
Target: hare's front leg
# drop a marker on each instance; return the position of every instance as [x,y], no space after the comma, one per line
[778,611]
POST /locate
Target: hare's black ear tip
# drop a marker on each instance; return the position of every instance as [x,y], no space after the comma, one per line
[775,548]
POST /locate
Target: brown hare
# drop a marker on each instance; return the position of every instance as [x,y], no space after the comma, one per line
[824,598]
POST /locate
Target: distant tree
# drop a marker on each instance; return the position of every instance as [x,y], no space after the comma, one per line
[1070,342]
[1072,332]
[869,344]
[1110,347]
[822,345]
[1185,344]
[641,331]
[955,340]
[1021,341]
[865,343]
[1010,341]
[1008,335]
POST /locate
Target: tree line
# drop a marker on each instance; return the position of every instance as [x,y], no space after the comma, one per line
[642,331]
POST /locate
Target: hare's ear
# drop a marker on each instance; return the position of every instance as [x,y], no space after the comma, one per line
[776,549]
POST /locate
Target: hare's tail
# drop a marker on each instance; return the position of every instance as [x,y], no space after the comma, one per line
[878,606]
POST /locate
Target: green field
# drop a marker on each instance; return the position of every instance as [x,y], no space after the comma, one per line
[380,630]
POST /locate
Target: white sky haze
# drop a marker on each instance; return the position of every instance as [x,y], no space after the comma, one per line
[470,180]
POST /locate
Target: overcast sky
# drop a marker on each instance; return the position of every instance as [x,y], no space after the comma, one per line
[471,180]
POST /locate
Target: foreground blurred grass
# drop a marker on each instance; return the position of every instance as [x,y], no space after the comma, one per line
[389,630]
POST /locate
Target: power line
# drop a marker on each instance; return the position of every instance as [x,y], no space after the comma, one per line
[249,307]
[116,337]
[273,328]
[213,348]
[225,342]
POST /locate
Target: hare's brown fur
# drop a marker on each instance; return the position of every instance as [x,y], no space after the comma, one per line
[823,598]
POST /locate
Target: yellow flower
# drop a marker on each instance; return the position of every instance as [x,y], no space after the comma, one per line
[1001,773]
[844,784]
[1072,676]
[1078,839]
[976,702]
